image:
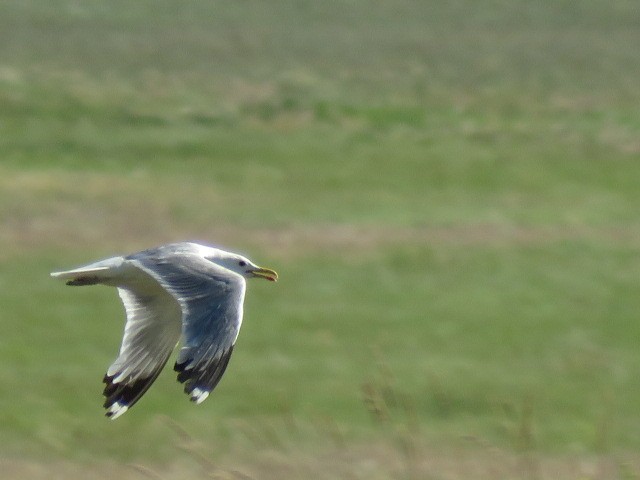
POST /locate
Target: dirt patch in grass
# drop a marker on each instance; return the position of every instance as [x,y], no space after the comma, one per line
[116,214]
[85,232]
[350,238]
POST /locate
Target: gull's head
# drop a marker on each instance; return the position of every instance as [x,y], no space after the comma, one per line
[240,265]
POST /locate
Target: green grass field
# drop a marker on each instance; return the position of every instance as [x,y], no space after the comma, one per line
[448,190]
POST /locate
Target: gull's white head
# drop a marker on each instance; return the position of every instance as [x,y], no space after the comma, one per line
[238,264]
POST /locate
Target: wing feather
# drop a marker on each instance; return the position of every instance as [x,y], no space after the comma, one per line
[151,332]
[211,299]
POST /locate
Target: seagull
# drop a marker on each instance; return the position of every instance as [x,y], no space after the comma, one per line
[178,291]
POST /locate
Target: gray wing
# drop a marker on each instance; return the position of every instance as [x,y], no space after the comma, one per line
[211,299]
[151,333]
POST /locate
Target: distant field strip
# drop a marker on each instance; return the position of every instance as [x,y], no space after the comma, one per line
[36,233]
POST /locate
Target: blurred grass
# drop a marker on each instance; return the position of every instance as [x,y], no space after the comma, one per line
[448,190]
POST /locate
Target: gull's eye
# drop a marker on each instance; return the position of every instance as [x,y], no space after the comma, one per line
[242,263]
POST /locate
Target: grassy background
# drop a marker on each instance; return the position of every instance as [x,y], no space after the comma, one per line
[448,190]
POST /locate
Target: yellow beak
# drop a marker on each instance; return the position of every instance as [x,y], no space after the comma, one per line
[265,273]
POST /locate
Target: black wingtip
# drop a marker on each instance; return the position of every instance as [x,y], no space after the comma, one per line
[204,379]
[184,374]
[125,393]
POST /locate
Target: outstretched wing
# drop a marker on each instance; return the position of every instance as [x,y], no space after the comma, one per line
[150,335]
[211,299]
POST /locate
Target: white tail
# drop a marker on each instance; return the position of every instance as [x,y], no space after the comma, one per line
[99,272]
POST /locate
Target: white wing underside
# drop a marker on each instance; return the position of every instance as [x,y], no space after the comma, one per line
[151,333]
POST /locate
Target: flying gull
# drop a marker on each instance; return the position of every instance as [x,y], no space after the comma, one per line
[181,290]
